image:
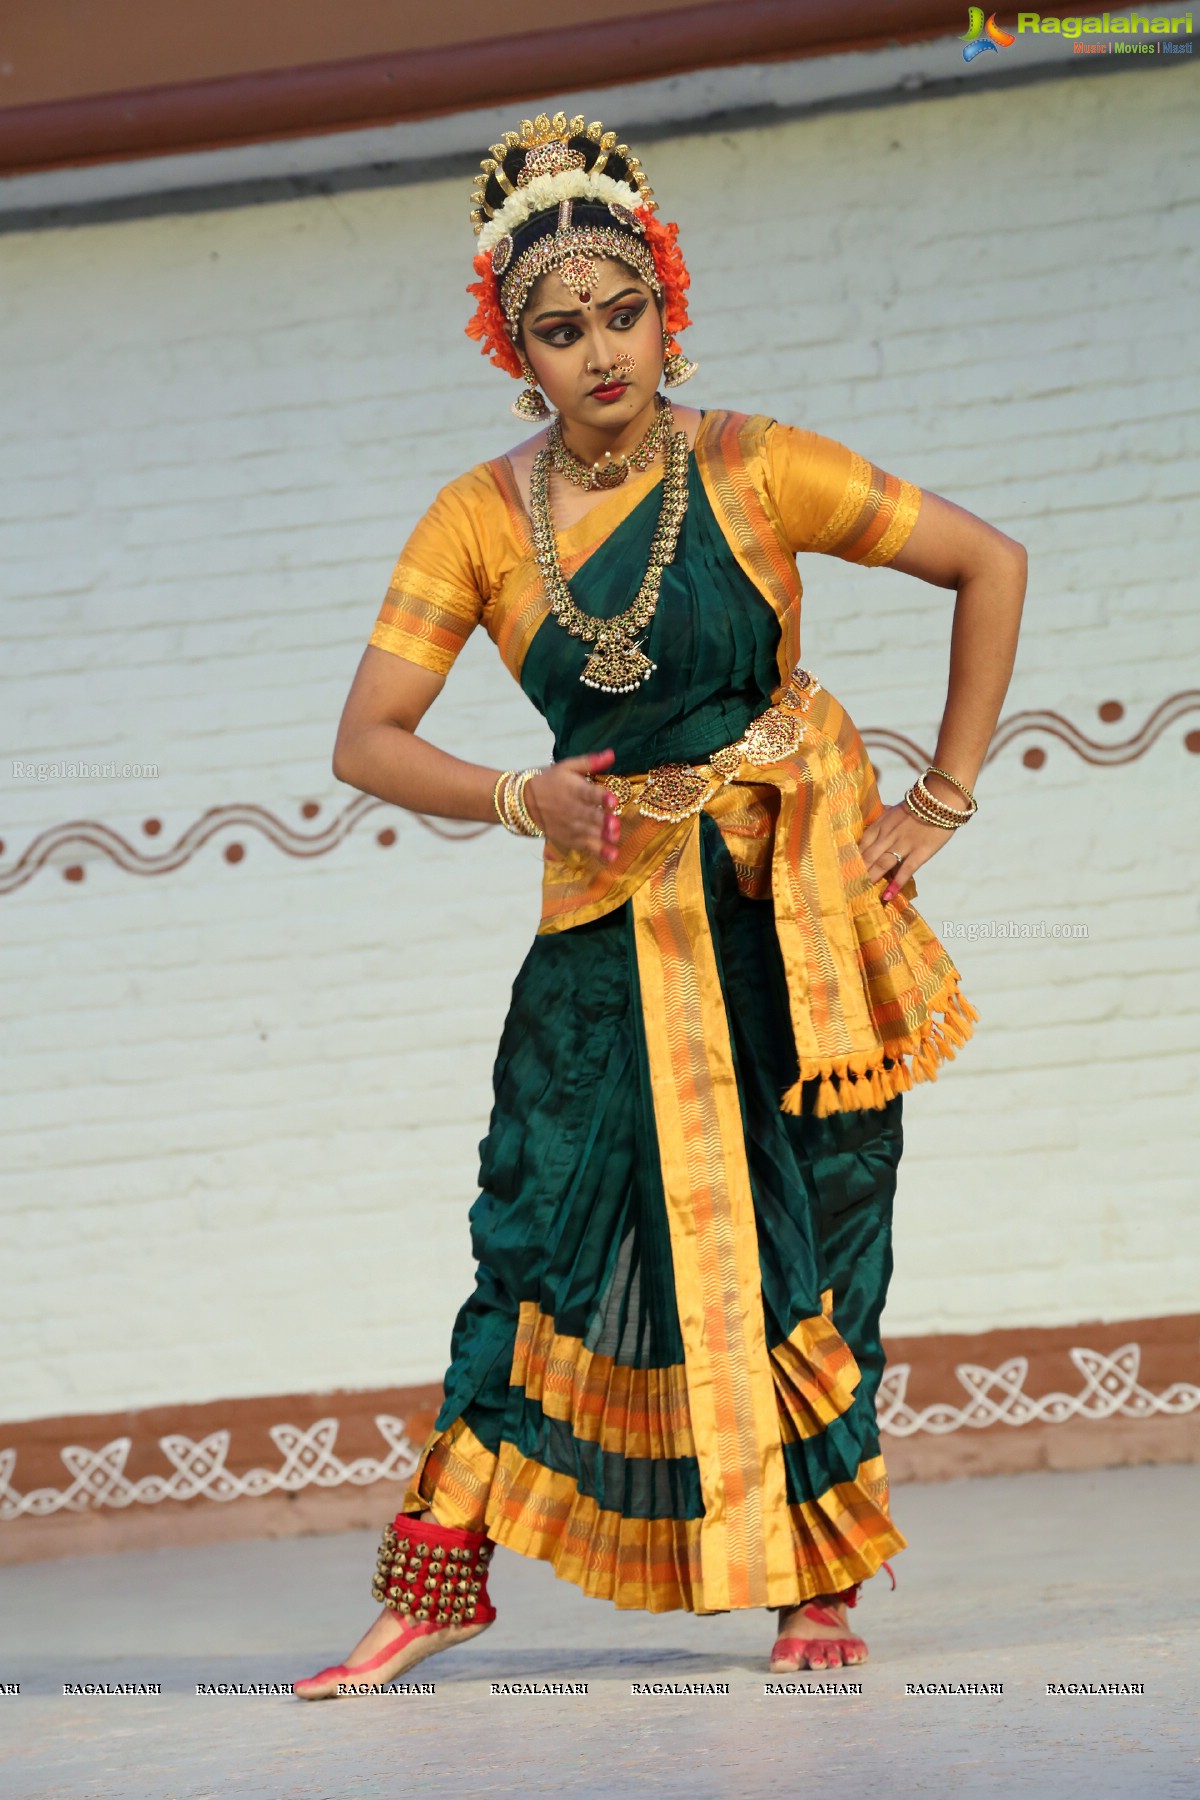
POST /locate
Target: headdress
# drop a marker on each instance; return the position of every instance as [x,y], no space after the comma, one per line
[559,195]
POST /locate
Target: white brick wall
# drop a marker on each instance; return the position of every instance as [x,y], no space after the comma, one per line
[243,1104]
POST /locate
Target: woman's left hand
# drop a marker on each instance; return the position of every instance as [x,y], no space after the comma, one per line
[896,844]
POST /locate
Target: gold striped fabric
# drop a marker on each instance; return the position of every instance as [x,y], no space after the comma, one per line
[425,620]
[843,1536]
[830,500]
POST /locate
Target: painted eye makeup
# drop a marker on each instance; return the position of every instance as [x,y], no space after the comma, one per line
[561,337]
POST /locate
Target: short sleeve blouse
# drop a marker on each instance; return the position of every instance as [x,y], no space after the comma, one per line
[440,583]
[828,499]
[820,495]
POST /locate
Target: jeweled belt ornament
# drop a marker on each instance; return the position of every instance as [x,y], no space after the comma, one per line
[790,798]
[674,791]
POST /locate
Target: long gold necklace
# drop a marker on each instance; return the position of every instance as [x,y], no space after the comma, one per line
[617,665]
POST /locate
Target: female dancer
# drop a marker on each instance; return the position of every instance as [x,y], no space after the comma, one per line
[664,1382]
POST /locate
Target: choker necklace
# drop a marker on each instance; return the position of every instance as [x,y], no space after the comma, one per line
[612,470]
[617,664]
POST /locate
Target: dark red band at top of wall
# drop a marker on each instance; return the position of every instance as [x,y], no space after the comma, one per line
[385,89]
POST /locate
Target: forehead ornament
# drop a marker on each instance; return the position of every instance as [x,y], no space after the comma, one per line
[562,195]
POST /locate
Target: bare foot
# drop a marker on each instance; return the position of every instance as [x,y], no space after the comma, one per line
[388,1650]
[815,1636]
[390,1647]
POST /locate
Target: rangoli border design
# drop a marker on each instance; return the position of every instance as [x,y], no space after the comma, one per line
[1111,1389]
[997,1396]
[98,1477]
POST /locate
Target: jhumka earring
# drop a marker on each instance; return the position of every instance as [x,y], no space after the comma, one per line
[531,404]
[677,368]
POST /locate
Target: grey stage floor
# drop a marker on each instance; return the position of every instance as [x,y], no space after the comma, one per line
[1023,1580]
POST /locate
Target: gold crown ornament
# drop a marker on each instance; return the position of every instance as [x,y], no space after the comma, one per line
[561,194]
[543,147]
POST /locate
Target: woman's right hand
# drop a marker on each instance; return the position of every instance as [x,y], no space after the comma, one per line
[575,813]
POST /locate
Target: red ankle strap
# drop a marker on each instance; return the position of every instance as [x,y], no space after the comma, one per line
[850,1594]
[435,1572]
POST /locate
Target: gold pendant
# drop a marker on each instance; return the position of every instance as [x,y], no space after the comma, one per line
[771,737]
[612,473]
[616,666]
[674,791]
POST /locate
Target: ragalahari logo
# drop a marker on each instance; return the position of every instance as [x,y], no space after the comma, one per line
[980,36]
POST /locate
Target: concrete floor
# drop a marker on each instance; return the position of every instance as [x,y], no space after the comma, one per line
[1019,1579]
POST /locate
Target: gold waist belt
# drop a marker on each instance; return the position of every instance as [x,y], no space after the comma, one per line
[675,791]
[791,798]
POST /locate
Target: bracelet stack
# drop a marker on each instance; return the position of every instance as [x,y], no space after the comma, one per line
[930,810]
[508,798]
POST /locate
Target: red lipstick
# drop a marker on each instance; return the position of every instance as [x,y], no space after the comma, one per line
[609,391]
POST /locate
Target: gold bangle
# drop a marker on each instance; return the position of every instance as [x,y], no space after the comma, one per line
[932,800]
[533,829]
[932,812]
[972,803]
[928,818]
[508,817]
[930,805]
[496,797]
[508,797]
[512,816]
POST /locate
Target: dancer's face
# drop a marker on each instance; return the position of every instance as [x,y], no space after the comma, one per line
[572,345]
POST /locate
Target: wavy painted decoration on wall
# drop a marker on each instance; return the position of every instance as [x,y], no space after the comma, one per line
[238,820]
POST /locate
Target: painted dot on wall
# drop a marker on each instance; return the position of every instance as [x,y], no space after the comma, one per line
[74,873]
[1111,710]
[234,853]
[386,837]
[1192,740]
[1034,758]
[309,810]
[151,827]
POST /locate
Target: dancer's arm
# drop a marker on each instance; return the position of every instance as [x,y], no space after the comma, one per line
[378,750]
[832,500]
[952,548]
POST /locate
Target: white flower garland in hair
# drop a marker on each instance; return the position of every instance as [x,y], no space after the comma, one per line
[545,191]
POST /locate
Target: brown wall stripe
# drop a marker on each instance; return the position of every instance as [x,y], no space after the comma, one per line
[269,102]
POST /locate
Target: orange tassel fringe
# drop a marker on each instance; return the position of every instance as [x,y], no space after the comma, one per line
[860,1083]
